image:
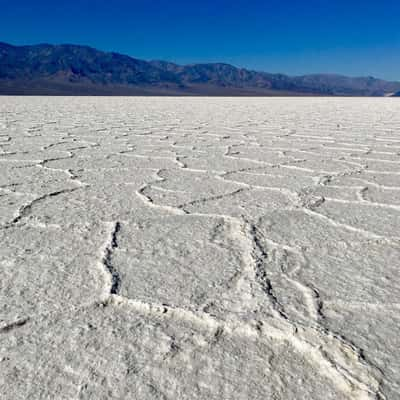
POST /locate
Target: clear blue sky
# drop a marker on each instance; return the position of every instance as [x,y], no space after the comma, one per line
[350,37]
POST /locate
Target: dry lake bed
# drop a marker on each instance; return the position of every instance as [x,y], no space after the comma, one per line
[199,248]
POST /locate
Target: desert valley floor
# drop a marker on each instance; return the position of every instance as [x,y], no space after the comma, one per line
[199,248]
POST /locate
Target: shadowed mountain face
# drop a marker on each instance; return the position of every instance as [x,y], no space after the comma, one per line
[81,70]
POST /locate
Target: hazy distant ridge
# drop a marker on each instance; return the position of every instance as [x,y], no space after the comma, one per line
[82,70]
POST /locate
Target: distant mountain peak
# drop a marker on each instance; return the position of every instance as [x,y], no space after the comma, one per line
[73,69]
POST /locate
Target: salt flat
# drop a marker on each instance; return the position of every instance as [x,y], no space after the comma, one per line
[199,248]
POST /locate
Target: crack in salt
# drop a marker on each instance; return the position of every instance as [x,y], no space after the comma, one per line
[114,278]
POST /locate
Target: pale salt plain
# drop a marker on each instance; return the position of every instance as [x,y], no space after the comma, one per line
[199,248]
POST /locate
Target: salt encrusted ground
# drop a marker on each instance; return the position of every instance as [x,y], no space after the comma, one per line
[161,248]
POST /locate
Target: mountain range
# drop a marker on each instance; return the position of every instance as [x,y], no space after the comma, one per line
[46,69]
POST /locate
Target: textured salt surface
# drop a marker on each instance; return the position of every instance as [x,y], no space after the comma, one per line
[161,248]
